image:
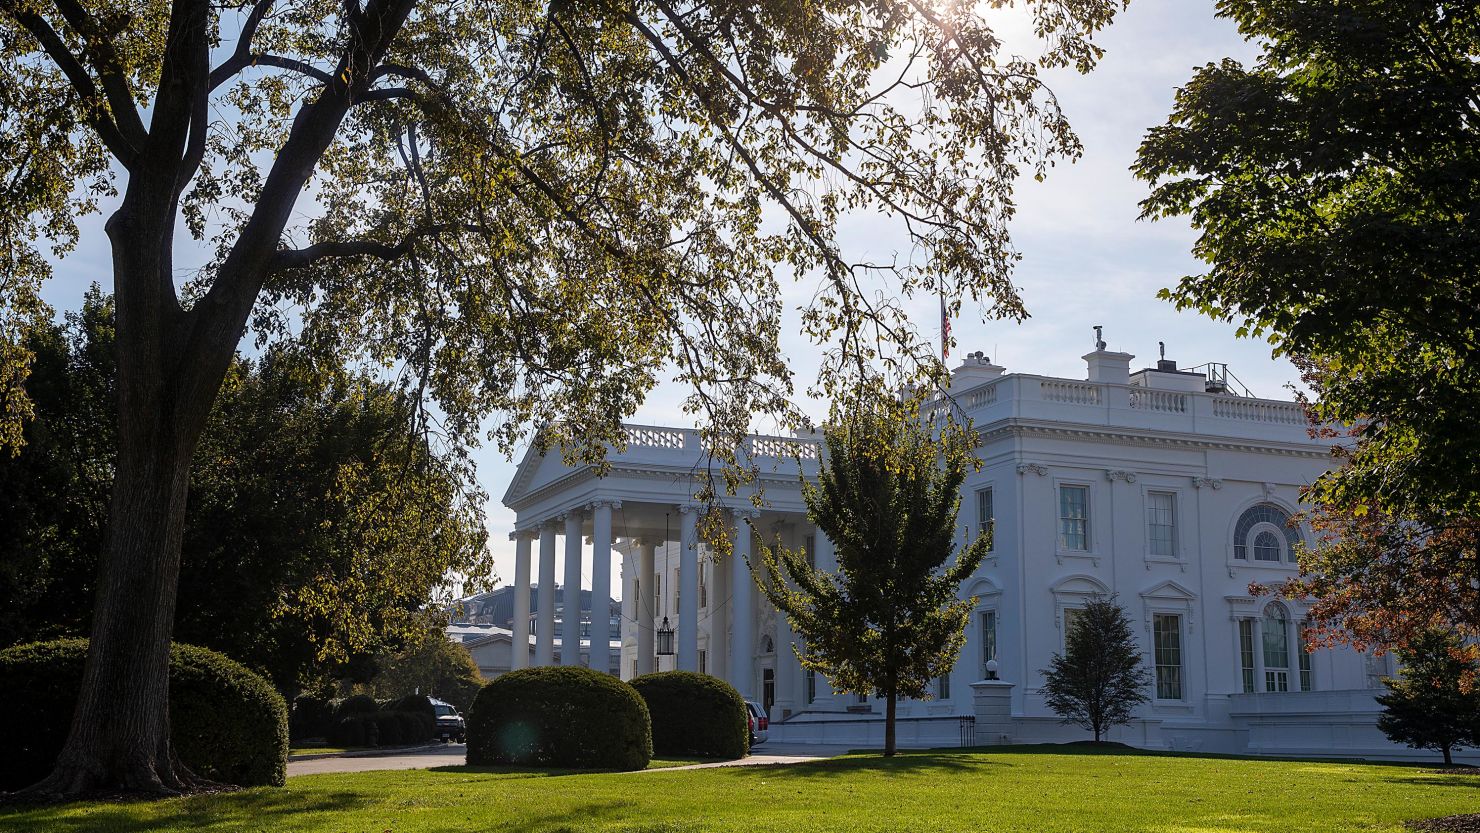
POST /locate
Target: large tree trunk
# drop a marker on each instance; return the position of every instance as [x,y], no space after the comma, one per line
[1448,755]
[120,734]
[891,701]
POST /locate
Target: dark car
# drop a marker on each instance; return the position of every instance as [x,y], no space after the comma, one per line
[450,725]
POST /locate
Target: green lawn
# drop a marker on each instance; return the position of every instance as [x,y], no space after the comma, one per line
[320,750]
[1043,789]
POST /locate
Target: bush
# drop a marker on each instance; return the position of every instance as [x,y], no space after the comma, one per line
[412,703]
[226,722]
[389,726]
[559,717]
[357,704]
[695,714]
[355,730]
[312,717]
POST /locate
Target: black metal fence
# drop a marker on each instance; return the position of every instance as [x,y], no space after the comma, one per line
[968,730]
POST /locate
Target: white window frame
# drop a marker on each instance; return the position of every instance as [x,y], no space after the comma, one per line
[1286,563]
[1172,496]
[989,492]
[1158,665]
[1090,538]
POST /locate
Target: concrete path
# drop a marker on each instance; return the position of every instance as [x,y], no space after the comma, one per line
[455,754]
[452,754]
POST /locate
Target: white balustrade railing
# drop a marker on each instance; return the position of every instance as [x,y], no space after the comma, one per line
[1159,400]
[1254,410]
[1074,393]
[784,447]
[639,436]
[979,397]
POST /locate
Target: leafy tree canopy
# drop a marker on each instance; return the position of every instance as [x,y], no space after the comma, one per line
[1334,184]
[889,620]
[1099,680]
[318,526]
[430,664]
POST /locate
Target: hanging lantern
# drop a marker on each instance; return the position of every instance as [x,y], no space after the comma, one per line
[665,639]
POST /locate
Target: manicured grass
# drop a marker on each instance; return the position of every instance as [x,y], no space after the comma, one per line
[669,763]
[1047,789]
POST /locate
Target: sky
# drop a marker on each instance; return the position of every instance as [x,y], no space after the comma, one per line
[1086,259]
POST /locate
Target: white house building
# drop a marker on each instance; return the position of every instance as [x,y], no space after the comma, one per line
[1158,486]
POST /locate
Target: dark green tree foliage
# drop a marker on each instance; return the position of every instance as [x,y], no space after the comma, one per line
[560,716]
[435,666]
[1099,680]
[1427,707]
[227,722]
[695,715]
[317,527]
[1335,184]
[889,620]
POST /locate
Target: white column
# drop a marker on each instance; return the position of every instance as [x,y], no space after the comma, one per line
[601,585]
[688,575]
[519,656]
[720,613]
[827,561]
[544,632]
[570,630]
[742,592]
[647,605]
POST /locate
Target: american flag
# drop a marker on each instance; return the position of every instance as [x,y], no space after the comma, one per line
[945,331]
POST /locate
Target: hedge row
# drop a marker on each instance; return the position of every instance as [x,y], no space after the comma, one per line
[360,721]
[227,723]
[582,719]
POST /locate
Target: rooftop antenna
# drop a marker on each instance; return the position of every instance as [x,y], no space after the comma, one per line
[1099,337]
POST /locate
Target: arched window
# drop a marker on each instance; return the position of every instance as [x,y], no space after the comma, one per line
[1266,529]
[1276,648]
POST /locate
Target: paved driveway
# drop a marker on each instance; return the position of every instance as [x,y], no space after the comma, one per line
[455,754]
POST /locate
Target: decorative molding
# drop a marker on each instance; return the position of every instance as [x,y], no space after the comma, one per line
[597,504]
[1211,482]
[686,508]
[1120,474]
[1036,468]
[1269,489]
[1017,427]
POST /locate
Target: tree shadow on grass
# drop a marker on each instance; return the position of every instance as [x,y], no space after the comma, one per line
[258,809]
[508,772]
[1469,781]
[905,763]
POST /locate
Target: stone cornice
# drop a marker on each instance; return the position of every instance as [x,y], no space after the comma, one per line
[1140,437]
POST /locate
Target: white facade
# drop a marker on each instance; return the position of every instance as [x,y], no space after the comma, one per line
[1154,486]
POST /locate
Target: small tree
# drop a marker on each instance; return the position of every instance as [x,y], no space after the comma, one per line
[435,666]
[888,621]
[1427,707]
[1098,681]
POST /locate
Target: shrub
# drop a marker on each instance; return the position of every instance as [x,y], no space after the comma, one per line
[226,722]
[389,726]
[559,717]
[694,714]
[353,731]
[412,703]
[311,717]
[356,704]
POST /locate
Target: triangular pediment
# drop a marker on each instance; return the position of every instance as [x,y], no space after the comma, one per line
[1169,590]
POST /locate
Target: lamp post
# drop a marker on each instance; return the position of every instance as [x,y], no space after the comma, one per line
[665,639]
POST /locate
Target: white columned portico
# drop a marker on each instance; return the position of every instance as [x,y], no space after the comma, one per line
[570,627]
[647,604]
[544,632]
[601,584]
[742,593]
[688,589]
[519,644]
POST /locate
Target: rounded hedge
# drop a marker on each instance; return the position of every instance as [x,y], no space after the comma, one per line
[227,723]
[695,715]
[569,717]
[355,704]
[310,717]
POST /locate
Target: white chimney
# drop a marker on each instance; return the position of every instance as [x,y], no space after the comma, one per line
[974,370]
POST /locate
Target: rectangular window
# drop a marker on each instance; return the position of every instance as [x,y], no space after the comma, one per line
[809,544]
[943,687]
[1166,631]
[634,670]
[1074,518]
[811,677]
[989,639]
[1305,675]
[703,662]
[1070,615]
[984,512]
[1246,653]
[1161,523]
